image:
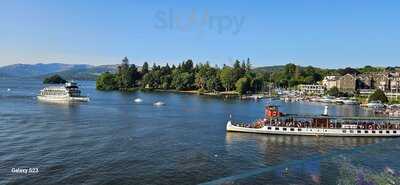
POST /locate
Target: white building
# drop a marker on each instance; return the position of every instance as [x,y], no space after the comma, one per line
[312,89]
[330,81]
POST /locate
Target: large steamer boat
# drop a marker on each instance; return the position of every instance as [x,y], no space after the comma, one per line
[276,122]
[67,93]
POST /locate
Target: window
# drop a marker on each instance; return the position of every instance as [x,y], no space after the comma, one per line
[276,128]
[380,132]
[269,128]
[351,131]
[284,129]
[394,132]
[344,131]
[387,131]
[358,131]
[366,131]
[299,129]
[292,129]
[373,131]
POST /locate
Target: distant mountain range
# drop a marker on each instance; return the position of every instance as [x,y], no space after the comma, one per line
[67,71]
[270,68]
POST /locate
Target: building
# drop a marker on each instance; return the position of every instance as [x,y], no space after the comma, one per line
[347,83]
[395,84]
[312,89]
[381,81]
[330,81]
[364,81]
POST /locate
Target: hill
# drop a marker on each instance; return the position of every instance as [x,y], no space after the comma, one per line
[270,68]
[67,71]
[29,70]
[90,73]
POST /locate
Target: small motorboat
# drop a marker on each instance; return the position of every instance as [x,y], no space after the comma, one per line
[8,90]
[138,100]
[375,104]
[159,103]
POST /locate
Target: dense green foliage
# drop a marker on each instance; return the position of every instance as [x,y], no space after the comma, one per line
[205,78]
[185,76]
[106,81]
[293,75]
[378,95]
[55,79]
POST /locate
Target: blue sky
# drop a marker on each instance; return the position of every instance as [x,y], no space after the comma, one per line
[320,33]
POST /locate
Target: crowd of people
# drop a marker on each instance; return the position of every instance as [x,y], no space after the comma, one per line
[290,122]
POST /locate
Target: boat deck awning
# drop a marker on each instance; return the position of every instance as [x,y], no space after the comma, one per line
[360,118]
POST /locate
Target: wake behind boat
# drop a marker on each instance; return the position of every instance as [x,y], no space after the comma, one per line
[68,93]
[276,122]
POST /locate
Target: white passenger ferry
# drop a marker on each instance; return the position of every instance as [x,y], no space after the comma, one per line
[276,122]
[67,93]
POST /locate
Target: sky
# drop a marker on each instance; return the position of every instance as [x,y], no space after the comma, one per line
[329,34]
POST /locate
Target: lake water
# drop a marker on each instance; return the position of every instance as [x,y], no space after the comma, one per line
[112,140]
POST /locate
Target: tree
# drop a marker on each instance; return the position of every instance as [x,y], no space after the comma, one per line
[227,78]
[145,68]
[248,65]
[106,81]
[242,85]
[378,95]
[152,79]
[55,79]
[334,91]
[183,81]
[123,77]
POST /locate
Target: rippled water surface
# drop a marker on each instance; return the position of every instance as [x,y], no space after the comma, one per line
[112,140]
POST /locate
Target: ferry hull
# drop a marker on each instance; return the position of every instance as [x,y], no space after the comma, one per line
[334,132]
[63,99]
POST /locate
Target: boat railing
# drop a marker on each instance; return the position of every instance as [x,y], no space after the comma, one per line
[330,125]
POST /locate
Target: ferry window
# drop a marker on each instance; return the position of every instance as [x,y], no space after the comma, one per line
[358,131]
[366,132]
[351,131]
[380,132]
[269,128]
[276,128]
[284,129]
[292,129]
[394,131]
[344,131]
[299,129]
[387,131]
[373,131]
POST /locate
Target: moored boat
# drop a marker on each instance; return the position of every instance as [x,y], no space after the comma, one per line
[375,104]
[276,122]
[351,101]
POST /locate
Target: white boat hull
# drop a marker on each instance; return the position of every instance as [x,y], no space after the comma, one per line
[336,132]
[62,99]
